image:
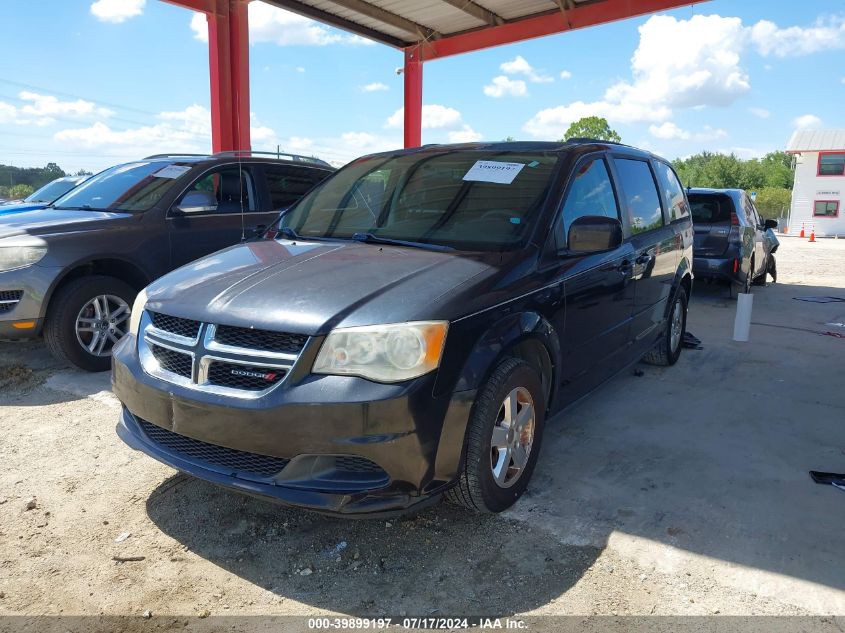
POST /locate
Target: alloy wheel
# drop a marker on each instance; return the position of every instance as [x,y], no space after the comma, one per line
[101,323]
[513,437]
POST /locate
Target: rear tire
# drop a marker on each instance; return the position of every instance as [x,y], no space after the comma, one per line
[488,482]
[668,350]
[73,302]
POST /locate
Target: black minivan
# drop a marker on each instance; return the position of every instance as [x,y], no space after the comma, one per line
[409,325]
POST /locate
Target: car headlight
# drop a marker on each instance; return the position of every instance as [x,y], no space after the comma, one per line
[137,311]
[21,251]
[384,353]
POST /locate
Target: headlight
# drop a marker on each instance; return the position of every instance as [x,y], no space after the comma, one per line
[137,311]
[384,353]
[21,251]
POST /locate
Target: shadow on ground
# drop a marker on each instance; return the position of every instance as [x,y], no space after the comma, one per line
[27,365]
[481,564]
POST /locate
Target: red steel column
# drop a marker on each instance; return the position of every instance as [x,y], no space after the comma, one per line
[413,74]
[228,55]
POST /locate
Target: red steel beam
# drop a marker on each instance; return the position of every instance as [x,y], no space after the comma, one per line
[558,21]
[413,74]
[228,61]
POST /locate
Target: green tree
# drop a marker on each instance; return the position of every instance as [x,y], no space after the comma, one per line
[19,191]
[592,127]
[773,202]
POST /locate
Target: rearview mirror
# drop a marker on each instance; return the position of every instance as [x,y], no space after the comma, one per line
[198,202]
[770,224]
[594,234]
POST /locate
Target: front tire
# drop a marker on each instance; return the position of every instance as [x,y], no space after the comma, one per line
[668,350]
[86,317]
[503,438]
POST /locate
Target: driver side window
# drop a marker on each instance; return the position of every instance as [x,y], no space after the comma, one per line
[228,190]
[591,193]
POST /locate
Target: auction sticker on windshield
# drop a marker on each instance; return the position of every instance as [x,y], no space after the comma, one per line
[171,171]
[493,171]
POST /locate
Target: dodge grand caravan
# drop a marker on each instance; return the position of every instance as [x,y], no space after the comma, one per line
[409,325]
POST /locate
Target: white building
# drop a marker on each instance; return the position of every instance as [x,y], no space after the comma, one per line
[817,200]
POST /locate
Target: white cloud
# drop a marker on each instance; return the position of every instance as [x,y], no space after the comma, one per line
[843,80]
[807,122]
[565,74]
[668,131]
[433,117]
[187,130]
[761,113]
[769,39]
[678,64]
[503,85]
[519,66]
[465,135]
[42,110]
[271,24]
[376,86]
[117,11]
[300,69]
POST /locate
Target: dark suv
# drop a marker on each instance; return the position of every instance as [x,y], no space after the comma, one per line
[72,270]
[411,325]
[730,239]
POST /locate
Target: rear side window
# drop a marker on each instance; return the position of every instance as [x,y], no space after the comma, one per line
[591,193]
[286,185]
[673,192]
[641,200]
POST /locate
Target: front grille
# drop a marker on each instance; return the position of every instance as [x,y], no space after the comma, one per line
[175,325]
[9,299]
[172,361]
[246,377]
[247,465]
[263,340]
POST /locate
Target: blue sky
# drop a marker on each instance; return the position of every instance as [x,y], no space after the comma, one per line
[88,83]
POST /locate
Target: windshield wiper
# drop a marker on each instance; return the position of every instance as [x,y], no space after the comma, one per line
[369,238]
[291,234]
[83,207]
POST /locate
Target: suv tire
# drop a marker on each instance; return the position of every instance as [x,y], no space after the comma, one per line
[513,382]
[668,350]
[66,307]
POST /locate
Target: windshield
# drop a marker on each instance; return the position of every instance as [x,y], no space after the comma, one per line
[468,200]
[131,187]
[51,191]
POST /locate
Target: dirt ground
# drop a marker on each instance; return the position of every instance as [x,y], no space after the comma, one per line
[680,491]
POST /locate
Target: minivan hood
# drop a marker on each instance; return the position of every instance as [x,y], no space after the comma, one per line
[48,221]
[312,287]
[19,207]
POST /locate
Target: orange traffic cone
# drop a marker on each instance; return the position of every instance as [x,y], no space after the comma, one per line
[813,234]
[801,234]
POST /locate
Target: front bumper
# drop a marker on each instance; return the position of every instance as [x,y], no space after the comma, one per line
[34,282]
[413,436]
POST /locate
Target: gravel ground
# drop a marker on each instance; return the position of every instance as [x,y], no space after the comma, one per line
[89,527]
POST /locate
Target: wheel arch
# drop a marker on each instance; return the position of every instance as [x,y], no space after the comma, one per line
[122,269]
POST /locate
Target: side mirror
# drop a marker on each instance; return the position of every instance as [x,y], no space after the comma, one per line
[198,202]
[770,224]
[594,234]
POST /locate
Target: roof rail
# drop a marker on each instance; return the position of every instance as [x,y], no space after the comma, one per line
[586,139]
[293,157]
[176,155]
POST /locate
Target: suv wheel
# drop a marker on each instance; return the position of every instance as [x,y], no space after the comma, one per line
[668,350]
[86,318]
[503,438]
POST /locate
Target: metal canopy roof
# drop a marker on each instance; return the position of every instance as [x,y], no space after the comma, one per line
[816,141]
[405,23]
